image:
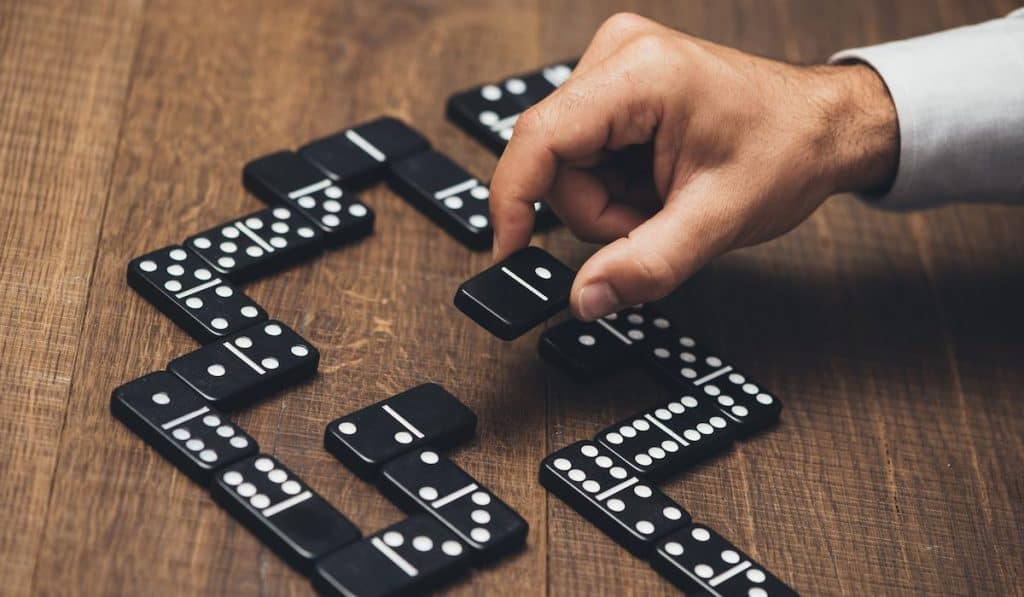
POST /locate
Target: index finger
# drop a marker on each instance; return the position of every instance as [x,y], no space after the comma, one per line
[573,124]
[524,173]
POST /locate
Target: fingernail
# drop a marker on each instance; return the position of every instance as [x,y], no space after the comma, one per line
[598,300]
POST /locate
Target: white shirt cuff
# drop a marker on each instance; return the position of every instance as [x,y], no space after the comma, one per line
[959,98]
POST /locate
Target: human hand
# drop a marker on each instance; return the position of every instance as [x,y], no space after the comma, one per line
[675,150]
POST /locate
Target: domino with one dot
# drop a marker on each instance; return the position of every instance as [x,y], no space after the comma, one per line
[180,425]
[516,294]
[426,481]
[424,415]
[585,350]
[255,362]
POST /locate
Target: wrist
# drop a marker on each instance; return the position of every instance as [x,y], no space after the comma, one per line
[861,152]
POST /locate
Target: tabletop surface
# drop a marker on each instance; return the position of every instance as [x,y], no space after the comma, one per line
[894,341]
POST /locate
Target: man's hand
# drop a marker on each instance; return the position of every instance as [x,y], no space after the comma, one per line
[675,150]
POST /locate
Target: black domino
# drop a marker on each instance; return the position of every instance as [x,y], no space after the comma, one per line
[180,425]
[359,156]
[661,441]
[409,558]
[638,325]
[489,112]
[701,562]
[685,366]
[184,288]
[539,84]
[282,510]
[284,178]
[510,297]
[742,400]
[425,415]
[427,481]
[240,369]
[258,244]
[585,350]
[452,197]
[599,486]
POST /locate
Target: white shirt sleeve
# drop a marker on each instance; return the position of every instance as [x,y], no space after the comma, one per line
[959,98]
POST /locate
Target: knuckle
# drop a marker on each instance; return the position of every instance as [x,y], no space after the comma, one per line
[648,46]
[573,97]
[622,24]
[530,122]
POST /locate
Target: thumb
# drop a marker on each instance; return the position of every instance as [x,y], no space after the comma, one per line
[652,261]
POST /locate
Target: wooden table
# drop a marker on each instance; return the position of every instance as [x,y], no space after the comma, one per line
[895,341]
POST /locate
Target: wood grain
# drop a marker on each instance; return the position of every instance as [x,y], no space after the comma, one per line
[65,67]
[894,341]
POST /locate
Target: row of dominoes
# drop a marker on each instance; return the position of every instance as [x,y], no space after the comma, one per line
[396,445]
[313,206]
[609,479]
[530,286]
[641,334]
[455,522]
[598,484]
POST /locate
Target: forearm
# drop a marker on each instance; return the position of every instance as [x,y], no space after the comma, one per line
[860,152]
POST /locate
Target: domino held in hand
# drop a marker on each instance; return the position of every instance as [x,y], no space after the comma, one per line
[514,295]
